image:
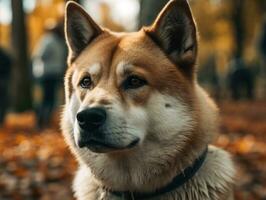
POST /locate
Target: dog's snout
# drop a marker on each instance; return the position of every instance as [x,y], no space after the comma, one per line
[92,118]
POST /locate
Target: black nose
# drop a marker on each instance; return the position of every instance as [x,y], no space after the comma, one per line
[92,118]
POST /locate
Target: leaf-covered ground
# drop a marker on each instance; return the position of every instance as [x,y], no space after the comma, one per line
[243,133]
[38,165]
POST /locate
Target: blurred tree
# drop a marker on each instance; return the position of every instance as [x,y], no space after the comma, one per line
[148,13]
[21,80]
[261,5]
[238,24]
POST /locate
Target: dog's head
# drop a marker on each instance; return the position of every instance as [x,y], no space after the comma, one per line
[132,93]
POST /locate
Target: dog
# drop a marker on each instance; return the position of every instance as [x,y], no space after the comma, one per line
[135,117]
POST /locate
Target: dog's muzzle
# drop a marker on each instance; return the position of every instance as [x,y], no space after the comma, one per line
[91,123]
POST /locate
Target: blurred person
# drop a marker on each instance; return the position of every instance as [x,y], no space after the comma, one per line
[262,40]
[49,64]
[262,53]
[5,71]
[241,80]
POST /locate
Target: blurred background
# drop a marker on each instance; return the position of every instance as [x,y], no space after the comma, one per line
[34,160]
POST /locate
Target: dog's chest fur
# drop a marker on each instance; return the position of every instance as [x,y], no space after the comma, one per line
[212,182]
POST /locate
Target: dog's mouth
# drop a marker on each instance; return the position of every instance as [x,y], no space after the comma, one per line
[102,146]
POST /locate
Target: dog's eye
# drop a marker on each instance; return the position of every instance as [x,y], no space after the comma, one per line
[134,82]
[85,82]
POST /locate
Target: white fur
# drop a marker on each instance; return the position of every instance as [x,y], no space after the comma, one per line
[136,117]
[171,121]
[75,78]
[95,69]
[122,67]
[73,108]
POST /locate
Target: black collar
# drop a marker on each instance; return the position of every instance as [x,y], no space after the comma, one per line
[177,181]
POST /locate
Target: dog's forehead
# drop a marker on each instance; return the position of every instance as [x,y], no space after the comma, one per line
[122,68]
[101,51]
[111,54]
[113,57]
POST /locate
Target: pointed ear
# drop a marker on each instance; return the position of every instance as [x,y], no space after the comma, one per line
[80,29]
[174,31]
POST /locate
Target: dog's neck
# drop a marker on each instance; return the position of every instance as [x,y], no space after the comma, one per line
[177,182]
[212,181]
[133,172]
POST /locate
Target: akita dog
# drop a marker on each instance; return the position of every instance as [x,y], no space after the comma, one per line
[135,117]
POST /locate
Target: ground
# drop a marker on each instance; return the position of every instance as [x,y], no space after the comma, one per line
[38,165]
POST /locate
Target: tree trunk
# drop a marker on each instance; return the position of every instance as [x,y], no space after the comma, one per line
[149,9]
[21,80]
[238,24]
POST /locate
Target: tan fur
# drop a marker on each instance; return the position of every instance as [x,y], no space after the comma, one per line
[172,116]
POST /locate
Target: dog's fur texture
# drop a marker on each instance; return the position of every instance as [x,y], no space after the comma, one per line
[170,114]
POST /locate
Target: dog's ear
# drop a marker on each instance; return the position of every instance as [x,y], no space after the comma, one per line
[174,31]
[80,29]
